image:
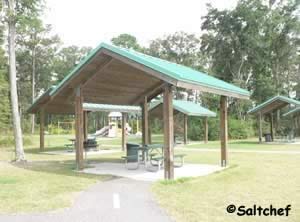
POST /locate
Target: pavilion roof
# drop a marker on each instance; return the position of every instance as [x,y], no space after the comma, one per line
[118,76]
[293,111]
[186,107]
[110,108]
[274,103]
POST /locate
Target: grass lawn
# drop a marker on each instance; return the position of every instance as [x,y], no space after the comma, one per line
[48,182]
[250,144]
[261,179]
[45,182]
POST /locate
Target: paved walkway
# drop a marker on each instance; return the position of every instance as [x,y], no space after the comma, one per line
[111,201]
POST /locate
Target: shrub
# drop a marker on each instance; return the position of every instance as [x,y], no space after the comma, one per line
[239,129]
[8,141]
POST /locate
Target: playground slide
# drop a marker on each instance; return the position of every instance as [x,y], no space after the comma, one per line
[102,132]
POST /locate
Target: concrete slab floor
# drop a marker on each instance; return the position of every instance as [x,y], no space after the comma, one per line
[142,174]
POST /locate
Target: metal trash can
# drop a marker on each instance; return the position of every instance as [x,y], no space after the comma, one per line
[268,137]
[132,152]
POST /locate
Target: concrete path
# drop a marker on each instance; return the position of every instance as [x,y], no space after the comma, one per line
[116,200]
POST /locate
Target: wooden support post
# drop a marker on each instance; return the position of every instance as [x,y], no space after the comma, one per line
[85,125]
[272,126]
[223,130]
[137,124]
[260,127]
[150,132]
[124,135]
[168,132]
[79,128]
[145,127]
[185,126]
[206,130]
[42,129]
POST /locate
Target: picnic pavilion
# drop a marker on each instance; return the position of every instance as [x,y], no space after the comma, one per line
[185,108]
[117,76]
[295,114]
[269,108]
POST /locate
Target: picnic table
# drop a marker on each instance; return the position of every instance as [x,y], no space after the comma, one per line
[87,144]
[152,154]
[71,146]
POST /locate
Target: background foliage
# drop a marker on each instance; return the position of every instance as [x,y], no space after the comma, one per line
[255,46]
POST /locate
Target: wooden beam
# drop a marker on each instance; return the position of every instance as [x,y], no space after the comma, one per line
[150,93]
[42,129]
[124,135]
[259,127]
[272,126]
[185,126]
[223,130]
[150,134]
[85,125]
[206,129]
[79,129]
[168,132]
[145,121]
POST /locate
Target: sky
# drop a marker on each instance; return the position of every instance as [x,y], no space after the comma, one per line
[89,22]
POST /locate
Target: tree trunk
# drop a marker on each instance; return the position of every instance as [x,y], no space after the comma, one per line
[33,89]
[20,156]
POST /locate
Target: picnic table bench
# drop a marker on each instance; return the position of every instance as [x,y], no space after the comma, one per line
[160,160]
[152,154]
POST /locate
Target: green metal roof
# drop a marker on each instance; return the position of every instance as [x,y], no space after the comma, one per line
[274,99]
[169,69]
[293,111]
[110,108]
[187,107]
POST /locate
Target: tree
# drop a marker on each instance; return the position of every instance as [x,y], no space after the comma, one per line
[36,49]
[66,59]
[14,12]
[4,89]
[127,41]
[253,46]
[181,48]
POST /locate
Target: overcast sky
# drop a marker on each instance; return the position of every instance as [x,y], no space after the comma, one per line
[89,22]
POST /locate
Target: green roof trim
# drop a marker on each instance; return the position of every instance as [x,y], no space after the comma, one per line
[273,99]
[172,70]
[111,108]
[187,107]
[293,111]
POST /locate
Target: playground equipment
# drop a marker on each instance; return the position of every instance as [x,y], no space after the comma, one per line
[112,129]
[102,132]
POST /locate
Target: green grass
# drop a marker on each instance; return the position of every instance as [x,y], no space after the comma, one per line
[48,182]
[261,179]
[250,144]
[40,186]
[45,182]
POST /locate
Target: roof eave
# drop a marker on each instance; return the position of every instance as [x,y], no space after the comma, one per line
[213,90]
